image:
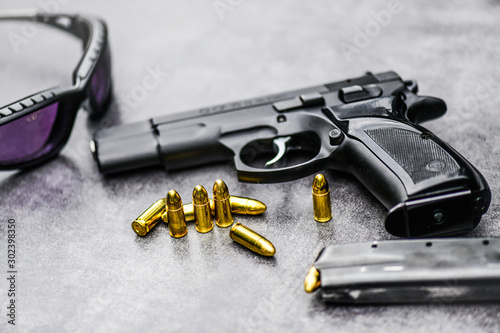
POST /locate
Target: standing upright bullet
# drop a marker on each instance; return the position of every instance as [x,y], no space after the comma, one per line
[223,214]
[147,220]
[251,240]
[202,213]
[321,199]
[176,221]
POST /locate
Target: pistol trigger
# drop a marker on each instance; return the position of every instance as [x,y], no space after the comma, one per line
[280,143]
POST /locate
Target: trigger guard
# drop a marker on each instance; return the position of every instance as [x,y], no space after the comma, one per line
[250,174]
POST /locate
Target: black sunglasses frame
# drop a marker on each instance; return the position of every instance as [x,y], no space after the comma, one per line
[93,32]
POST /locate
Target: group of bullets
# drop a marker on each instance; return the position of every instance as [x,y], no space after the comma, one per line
[202,211]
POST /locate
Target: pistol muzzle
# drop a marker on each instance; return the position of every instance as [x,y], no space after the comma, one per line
[125,148]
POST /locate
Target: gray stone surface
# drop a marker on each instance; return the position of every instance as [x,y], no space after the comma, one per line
[81,267]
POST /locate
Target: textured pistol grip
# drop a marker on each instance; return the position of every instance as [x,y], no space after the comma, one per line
[417,153]
[427,186]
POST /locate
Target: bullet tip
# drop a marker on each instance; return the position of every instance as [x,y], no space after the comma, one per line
[200,195]
[266,248]
[173,200]
[320,185]
[220,190]
[255,207]
[312,281]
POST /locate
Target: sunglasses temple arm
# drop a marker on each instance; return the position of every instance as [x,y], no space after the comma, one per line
[69,23]
[19,15]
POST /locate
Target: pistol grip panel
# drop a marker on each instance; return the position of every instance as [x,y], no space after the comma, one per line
[430,189]
[421,157]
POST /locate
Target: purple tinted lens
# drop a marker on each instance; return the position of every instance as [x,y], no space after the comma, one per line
[26,138]
[101,80]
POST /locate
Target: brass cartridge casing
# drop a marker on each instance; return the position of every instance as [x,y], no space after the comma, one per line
[223,214]
[188,213]
[177,222]
[202,213]
[312,280]
[239,205]
[251,240]
[147,220]
[321,199]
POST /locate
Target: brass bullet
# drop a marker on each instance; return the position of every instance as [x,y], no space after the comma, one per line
[251,240]
[223,214]
[239,205]
[245,206]
[175,212]
[202,213]
[321,199]
[312,281]
[147,220]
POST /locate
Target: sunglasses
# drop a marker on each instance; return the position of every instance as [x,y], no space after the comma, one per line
[35,128]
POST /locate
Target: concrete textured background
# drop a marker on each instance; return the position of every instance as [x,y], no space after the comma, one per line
[81,268]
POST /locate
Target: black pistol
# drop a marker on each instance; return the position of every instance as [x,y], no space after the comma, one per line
[366,126]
